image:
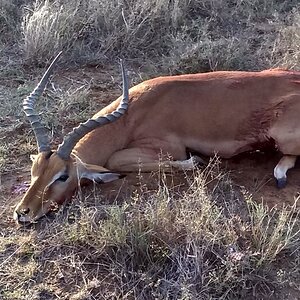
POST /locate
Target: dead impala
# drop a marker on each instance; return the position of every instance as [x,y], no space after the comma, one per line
[219,112]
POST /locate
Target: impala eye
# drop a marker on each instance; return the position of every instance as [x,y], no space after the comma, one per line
[63,178]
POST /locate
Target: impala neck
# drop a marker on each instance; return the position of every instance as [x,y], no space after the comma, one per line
[97,146]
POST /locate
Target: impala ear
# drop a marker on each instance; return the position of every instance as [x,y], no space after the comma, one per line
[95,173]
[101,177]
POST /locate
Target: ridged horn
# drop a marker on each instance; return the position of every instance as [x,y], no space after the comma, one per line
[64,150]
[39,130]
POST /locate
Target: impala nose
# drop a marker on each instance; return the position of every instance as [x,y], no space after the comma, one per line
[25,211]
[22,215]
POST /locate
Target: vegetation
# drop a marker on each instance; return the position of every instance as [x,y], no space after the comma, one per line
[179,36]
[167,236]
[156,245]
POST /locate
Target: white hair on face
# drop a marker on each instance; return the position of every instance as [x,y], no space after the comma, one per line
[55,177]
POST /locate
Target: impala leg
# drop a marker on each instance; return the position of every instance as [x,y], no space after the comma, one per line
[188,164]
[287,162]
[167,165]
[147,160]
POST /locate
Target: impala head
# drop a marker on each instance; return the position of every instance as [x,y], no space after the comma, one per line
[55,175]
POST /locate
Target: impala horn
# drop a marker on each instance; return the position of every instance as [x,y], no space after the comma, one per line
[39,130]
[64,150]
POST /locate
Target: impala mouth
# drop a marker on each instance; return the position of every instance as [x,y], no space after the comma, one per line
[25,219]
[22,219]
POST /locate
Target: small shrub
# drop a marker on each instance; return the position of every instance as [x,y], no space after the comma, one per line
[179,36]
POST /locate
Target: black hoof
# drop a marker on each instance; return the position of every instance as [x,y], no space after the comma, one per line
[281,182]
[198,161]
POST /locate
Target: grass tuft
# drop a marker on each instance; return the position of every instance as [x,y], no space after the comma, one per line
[179,36]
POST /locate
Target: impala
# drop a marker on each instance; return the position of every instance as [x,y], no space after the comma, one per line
[226,112]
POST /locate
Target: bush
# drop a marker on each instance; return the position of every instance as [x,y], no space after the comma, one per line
[179,36]
[10,14]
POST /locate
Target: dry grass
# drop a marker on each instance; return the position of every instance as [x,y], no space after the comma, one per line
[288,41]
[179,36]
[157,244]
[9,15]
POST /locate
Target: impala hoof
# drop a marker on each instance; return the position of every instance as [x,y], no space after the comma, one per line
[198,161]
[281,182]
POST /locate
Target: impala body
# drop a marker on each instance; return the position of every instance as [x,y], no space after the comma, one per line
[220,112]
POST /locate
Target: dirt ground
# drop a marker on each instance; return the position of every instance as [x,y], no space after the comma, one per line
[255,172]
